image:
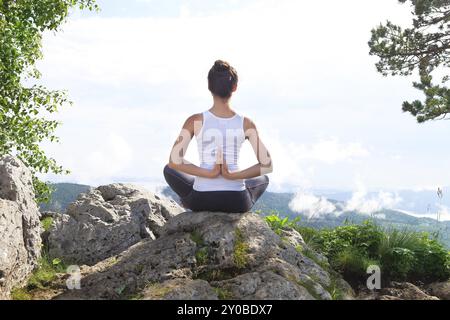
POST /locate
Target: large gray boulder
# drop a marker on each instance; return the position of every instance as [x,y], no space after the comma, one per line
[20,242]
[207,255]
[106,221]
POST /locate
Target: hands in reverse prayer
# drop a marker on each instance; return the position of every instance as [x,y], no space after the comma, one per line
[221,168]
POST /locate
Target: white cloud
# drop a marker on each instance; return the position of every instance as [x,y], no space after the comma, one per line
[103,156]
[364,203]
[111,156]
[296,163]
[310,205]
[443,210]
[331,151]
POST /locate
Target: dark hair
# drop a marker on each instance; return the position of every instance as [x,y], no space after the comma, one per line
[221,79]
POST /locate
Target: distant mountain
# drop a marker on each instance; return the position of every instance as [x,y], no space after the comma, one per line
[279,202]
[64,194]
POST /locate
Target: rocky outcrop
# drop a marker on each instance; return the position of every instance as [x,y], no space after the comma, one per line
[20,242]
[440,290]
[106,221]
[208,255]
[397,291]
[404,291]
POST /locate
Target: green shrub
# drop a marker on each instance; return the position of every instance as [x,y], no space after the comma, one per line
[407,254]
[398,263]
[309,235]
[365,237]
[403,255]
[277,223]
[432,261]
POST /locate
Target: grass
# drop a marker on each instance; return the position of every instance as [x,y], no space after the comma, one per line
[334,290]
[139,268]
[20,294]
[41,279]
[394,238]
[218,274]
[240,253]
[137,296]
[223,294]
[311,254]
[309,286]
[352,264]
[202,256]
[197,238]
[158,291]
[45,273]
[47,223]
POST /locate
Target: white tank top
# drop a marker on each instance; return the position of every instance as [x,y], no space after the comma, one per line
[227,134]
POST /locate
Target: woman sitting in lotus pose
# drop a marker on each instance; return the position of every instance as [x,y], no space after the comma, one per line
[218,184]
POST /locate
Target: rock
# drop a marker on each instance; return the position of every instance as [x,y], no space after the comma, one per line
[207,255]
[404,291]
[106,221]
[180,289]
[389,298]
[346,292]
[20,242]
[440,290]
[264,285]
[293,237]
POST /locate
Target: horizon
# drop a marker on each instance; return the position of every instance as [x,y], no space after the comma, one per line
[319,202]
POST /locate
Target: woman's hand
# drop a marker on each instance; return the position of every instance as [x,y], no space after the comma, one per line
[215,172]
[226,172]
[217,169]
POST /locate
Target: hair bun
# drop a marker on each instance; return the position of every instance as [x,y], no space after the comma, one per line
[221,66]
[222,78]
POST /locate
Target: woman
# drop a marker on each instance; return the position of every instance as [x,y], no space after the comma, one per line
[218,184]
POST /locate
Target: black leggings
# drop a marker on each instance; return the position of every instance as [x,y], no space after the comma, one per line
[216,201]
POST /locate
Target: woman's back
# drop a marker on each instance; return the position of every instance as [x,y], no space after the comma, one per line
[226,134]
[218,184]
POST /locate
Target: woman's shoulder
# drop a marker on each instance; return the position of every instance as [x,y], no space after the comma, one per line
[194,123]
[248,123]
[194,118]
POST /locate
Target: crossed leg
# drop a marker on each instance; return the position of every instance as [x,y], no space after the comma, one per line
[182,184]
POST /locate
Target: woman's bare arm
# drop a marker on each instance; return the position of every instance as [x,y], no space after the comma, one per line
[177,160]
[264,165]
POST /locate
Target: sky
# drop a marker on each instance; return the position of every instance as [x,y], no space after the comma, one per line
[137,69]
